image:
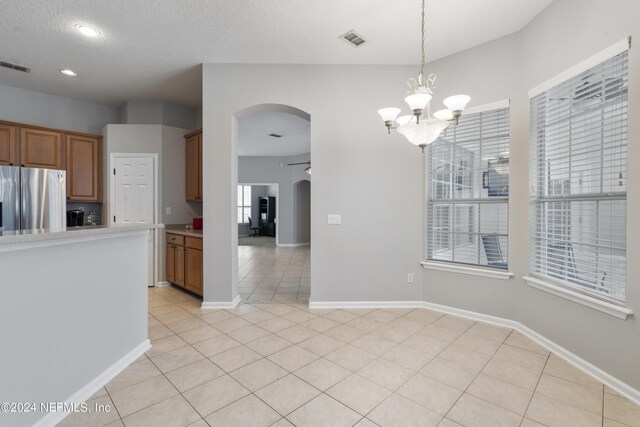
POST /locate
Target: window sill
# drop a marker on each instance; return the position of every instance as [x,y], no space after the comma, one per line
[473,271]
[591,302]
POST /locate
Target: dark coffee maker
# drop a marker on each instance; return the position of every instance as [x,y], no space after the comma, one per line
[75,218]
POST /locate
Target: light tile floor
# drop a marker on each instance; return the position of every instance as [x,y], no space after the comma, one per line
[274,274]
[283,364]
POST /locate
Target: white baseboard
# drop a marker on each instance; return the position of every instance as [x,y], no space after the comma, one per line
[575,360]
[82,395]
[162,284]
[221,304]
[365,304]
[293,245]
[493,320]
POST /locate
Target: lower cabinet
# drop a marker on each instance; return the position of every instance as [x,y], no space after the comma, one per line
[193,266]
[184,262]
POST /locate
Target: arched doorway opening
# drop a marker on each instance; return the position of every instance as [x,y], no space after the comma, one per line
[273,145]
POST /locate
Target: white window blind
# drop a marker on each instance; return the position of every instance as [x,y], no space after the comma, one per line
[244,203]
[579,174]
[468,191]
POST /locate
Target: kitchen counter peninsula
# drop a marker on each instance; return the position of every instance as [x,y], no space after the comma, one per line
[27,236]
[74,313]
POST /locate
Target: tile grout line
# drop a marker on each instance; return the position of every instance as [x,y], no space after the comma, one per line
[477,375]
[533,393]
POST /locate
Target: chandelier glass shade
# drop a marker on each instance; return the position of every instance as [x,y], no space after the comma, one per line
[421,127]
[423,133]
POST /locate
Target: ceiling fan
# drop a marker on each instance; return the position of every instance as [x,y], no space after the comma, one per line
[307,170]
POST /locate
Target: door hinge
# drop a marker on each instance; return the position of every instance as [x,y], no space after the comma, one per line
[114,171]
[114,218]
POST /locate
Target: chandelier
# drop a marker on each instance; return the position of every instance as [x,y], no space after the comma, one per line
[422,128]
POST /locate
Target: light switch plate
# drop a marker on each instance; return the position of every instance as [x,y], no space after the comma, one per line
[334,219]
[168,211]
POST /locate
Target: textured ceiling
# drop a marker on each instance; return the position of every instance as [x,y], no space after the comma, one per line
[254,130]
[152,49]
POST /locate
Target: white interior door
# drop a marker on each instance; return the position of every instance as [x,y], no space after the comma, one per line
[134,190]
[133,197]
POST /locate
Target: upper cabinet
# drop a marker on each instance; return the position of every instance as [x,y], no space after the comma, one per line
[41,149]
[84,168]
[8,146]
[36,147]
[193,143]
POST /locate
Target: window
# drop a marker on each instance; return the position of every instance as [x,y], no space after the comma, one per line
[579,169]
[468,191]
[244,204]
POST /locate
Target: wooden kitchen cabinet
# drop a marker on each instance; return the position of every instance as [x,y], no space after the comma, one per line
[170,262]
[84,168]
[41,149]
[193,147]
[179,267]
[193,266]
[184,262]
[9,153]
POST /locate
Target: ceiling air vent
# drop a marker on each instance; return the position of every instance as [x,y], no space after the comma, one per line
[353,38]
[15,67]
[275,135]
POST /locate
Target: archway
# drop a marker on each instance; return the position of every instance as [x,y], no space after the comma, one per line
[273,143]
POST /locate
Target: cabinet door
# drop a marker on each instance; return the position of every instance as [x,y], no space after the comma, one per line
[193,168]
[8,146]
[180,267]
[41,149]
[170,263]
[84,168]
[193,264]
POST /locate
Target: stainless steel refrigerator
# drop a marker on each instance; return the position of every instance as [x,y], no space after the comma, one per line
[32,199]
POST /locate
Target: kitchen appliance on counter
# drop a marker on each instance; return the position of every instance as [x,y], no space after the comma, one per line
[32,198]
[197,223]
[75,218]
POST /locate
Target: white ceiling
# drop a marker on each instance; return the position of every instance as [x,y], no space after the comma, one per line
[152,49]
[254,130]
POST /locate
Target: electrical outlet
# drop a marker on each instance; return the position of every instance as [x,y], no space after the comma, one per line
[410,278]
[168,211]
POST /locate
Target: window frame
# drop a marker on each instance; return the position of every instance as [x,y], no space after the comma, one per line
[452,265]
[243,207]
[539,201]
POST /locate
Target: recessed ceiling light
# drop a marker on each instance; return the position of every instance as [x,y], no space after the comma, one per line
[88,30]
[69,73]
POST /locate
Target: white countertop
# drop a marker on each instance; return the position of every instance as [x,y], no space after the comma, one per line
[27,236]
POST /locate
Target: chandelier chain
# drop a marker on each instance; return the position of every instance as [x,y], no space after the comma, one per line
[423,53]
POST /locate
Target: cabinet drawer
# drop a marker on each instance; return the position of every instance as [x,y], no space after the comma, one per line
[175,239]
[194,243]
